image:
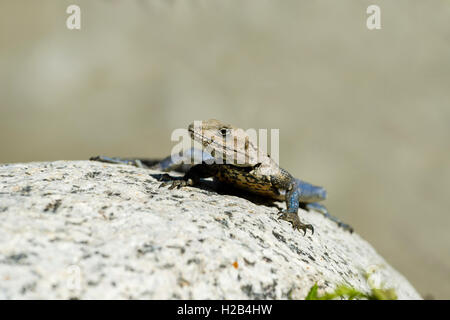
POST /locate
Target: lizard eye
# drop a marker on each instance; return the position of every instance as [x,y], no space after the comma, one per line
[224,131]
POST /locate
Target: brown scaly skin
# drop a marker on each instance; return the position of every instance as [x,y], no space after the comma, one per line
[258,174]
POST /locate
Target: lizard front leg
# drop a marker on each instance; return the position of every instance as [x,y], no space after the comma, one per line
[291,212]
[192,177]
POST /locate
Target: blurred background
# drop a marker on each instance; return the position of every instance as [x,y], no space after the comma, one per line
[364,113]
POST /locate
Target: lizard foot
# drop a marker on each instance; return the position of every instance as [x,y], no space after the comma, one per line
[295,221]
[177,184]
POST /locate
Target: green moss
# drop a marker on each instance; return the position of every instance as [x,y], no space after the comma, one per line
[346,292]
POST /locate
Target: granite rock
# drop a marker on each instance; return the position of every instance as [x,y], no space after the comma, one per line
[89,230]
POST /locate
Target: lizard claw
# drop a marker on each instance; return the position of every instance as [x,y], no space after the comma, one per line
[292,217]
[345,227]
[310,227]
[176,184]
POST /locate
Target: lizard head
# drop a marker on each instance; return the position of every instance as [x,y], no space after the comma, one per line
[224,141]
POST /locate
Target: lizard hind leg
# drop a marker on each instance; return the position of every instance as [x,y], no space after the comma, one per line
[323,210]
[291,213]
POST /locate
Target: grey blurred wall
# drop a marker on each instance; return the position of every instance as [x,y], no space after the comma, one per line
[364,113]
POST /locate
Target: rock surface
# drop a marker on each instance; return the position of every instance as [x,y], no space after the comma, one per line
[88,230]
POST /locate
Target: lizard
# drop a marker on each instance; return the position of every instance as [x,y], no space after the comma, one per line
[229,156]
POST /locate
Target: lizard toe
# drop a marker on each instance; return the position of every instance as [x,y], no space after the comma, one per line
[346,227]
[310,227]
[163,184]
[292,218]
